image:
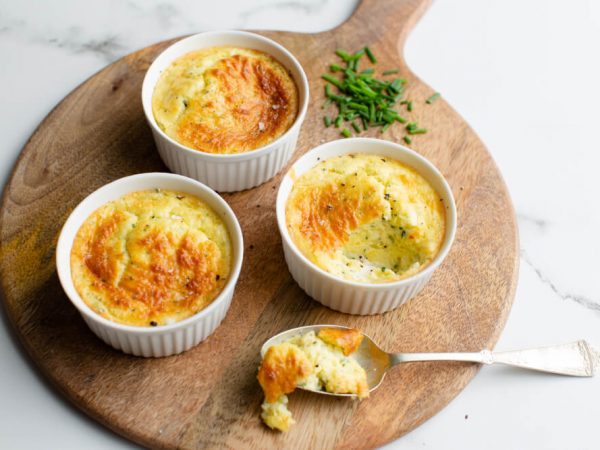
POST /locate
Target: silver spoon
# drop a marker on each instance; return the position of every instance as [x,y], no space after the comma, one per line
[577,359]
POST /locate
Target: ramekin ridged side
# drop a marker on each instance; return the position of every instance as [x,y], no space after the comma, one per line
[165,344]
[150,341]
[226,172]
[344,295]
[349,299]
[224,175]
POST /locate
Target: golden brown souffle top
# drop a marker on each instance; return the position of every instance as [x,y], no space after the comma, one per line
[151,258]
[225,100]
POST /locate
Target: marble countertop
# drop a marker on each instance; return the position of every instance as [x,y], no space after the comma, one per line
[523,74]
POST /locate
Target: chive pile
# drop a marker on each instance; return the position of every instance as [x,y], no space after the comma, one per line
[365,101]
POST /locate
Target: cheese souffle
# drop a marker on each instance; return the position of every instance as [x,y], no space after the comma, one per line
[151,258]
[319,362]
[225,100]
[366,218]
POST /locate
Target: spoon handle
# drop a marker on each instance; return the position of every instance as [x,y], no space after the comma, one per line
[576,359]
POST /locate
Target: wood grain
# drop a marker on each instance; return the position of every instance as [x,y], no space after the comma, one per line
[209,397]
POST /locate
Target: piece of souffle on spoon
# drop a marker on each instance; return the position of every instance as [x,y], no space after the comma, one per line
[341,361]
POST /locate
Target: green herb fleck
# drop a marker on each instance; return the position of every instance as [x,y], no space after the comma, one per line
[346,133]
[344,55]
[332,80]
[433,98]
[413,128]
[370,55]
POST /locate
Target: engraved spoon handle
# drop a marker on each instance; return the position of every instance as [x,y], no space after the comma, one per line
[573,359]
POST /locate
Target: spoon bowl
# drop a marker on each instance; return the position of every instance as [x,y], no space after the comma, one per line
[371,358]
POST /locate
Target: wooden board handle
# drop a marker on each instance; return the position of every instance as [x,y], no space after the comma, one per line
[385,17]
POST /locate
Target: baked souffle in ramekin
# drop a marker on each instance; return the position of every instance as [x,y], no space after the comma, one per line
[225,100]
[151,258]
[366,218]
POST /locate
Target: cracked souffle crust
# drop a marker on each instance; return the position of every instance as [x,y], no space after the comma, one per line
[366,218]
[151,258]
[225,100]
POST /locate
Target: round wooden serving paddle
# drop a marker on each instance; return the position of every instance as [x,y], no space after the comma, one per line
[209,396]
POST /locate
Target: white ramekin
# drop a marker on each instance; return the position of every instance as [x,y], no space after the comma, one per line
[226,172]
[150,341]
[348,296]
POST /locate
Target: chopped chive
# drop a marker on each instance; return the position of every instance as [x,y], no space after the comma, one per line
[338,121]
[356,127]
[332,80]
[344,55]
[335,68]
[396,85]
[417,131]
[370,55]
[433,98]
[385,127]
[409,106]
[346,132]
[359,54]
[358,106]
[390,72]
[327,121]
[407,139]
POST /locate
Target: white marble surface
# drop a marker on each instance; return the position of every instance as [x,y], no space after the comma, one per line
[523,74]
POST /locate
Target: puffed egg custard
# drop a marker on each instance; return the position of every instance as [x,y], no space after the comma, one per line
[320,361]
[151,258]
[225,100]
[366,218]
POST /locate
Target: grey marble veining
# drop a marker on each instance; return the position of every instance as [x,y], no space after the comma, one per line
[589,303]
[310,8]
[135,23]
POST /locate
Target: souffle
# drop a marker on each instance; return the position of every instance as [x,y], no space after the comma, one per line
[366,218]
[225,100]
[317,362]
[151,258]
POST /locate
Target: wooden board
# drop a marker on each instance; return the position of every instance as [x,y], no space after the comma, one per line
[209,397]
